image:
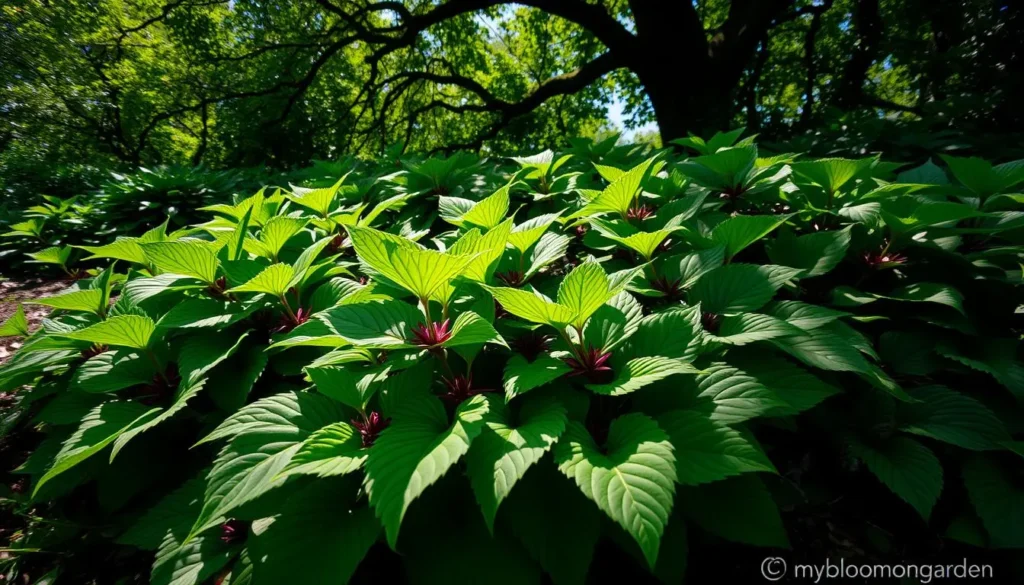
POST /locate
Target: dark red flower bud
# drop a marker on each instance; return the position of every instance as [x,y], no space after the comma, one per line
[433,334]
[591,362]
[711,322]
[370,427]
[460,388]
[639,213]
[233,531]
[531,344]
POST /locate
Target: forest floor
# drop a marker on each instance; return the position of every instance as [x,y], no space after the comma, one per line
[13,292]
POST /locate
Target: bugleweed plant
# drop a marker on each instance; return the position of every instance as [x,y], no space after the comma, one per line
[609,362]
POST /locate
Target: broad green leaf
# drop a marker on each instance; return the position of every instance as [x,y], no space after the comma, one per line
[336,449]
[318,200]
[111,371]
[414,452]
[533,308]
[503,452]
[487,249]
[375,325]
[725,169]
[353,388]
[708,450]
[550,248]
[58,255]
[472,329]
[930,292]
[133,331]
[644,243]
[803,315]
[173,513]
[906,467]
[614,323]
[193,258]
[824,348]
[274,279]
[674,333]
[156,416]
[632,478]
[736,233]
[320,536]
[266,434]
[522,376]
[127,249]
[947,415]
[620,194]
[583,291]
[639,372]
[690,267]
[747,328]
[530,231]
[276,233]
[16,325]
[831,174]
[100,427]
[208,312]
[420,271]
[89,300]
[730,395]
[816,253]
[490,211]
[734,288]
[797,388]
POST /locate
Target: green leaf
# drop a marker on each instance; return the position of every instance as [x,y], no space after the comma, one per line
[997,499]
[530,231]
[738,232]
[374,325]
[824,348]
[803,315]
[949,416]
[643,243]
[533,308]
[550,248]
[692,266]
[503,452]
[614,323]
[797,388]
[318,200]
[674,333]
[100,427]
[58,255]
[472,329]
[174,513]
[89,300]
[816,253]
[156,416]
[640,372]
[486,249]
[351,388]
[750,327]
[274,279]
[127,249]
[619,195]
[111,371]
[266,434]
[709,450]
[522,376]
[132,331]
[490,211]
[208,312]
[583,291]
[632,479]
[336,449]
[421,272]
[414,452]
[906,467]
[318,537]
[930,292]
[16,325]
[831,174]
[276,233]
[193,258]
[739,509]
[734,288]
[730,395]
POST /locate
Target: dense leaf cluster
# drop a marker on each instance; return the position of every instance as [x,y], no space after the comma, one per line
[497,369]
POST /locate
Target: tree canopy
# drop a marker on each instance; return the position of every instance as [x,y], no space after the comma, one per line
[246,82]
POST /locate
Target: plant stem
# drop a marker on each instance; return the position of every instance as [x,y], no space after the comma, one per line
[426,309]
[156,364]
[288,309]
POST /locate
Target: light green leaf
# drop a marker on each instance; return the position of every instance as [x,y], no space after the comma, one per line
[472,329]
[276,233]
[194,258]
[127,249]
[643,243]
[318,200]
[16,325]
[632,479]
[747,328]
[831,174]
[708,450]
[351,388]
[674,333]
[280,414]
[530,231]
[132,331]
[533,308]
[583,291]
[88,300]
[274,279]
[490,211]
[503,452]
[58,255]
[906,467]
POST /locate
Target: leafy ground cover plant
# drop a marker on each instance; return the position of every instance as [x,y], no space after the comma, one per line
[605,362]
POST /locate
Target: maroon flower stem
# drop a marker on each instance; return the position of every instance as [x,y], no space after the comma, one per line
[288,309]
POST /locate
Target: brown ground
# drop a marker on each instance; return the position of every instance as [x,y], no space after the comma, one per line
[13,292]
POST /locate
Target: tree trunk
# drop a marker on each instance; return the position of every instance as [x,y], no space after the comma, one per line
[701,104]
[867,22]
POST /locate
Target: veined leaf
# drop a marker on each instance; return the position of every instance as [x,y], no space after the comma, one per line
[708,450]
[735,288]
[816,253]
[526,305]
[336,449]
[736,233]
[745,328]
[88,300]
[127,249]
[375,325]
[15,325]
[472,329]
[522,376]
[351,388]
[193,258]
[132,331]
[634,483]
[730,395]
[318,200]
[414,452]
[640,372]
[906,467]
[583,291]
[530,231]
[502,453]
[490,211]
